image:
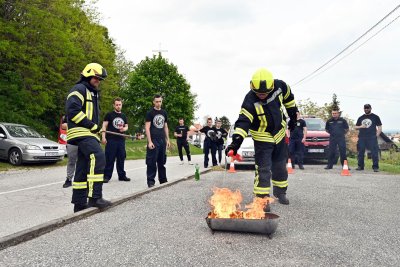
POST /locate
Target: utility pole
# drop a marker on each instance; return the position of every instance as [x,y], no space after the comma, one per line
[159,51]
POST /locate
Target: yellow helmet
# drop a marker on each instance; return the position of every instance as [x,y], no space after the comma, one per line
[94,69]
[262,81]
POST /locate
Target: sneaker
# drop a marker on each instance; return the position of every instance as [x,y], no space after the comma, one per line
[359,168]
[125,179]
[301,167]
[190,163]
[67,183]
[181,163]
[152,185]
[376,170]
[328,167]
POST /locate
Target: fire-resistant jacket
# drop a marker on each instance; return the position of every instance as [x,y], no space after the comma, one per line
[82,109]
[265,119]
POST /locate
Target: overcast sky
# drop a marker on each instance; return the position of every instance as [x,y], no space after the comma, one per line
[218,44]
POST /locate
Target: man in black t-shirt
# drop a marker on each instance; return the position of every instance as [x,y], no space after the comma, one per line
[157,142]
[116,122]
[209,143]
[221,134]
[337,128]
[181,140]
[298,132]
[370,127]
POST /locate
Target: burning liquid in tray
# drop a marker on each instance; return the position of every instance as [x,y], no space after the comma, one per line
[227,204]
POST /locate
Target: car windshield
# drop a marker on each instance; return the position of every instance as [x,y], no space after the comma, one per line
[22,131]
[315,124]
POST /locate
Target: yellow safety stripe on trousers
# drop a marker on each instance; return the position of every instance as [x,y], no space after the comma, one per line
[261,190]
[92,164]
[79,185]
[257,189]
[261,117]
[240,132]
[287,92]
[281,184]
[78,117]
[247,114]
[77,94]
[95,177]
[80,132]
[290,104]
[89,105]
[90,191]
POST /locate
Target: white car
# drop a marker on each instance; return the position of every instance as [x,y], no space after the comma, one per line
[20,143]
[246,150]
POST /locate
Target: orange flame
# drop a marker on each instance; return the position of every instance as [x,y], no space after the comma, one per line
[227,204]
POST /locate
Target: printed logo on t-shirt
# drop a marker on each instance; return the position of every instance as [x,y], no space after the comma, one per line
[158,121]
[219,135]
[367,123]
[118,123]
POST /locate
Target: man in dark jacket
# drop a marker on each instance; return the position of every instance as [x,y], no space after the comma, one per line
[337,128]
[298,133]
[83,115]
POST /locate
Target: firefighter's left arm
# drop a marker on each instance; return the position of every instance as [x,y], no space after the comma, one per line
[289,102]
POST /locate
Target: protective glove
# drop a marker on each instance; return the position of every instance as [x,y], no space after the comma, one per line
[235,145]
[95,129]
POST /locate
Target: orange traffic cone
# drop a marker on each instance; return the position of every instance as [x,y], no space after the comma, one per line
[232,166]
[345,171]
[289,166]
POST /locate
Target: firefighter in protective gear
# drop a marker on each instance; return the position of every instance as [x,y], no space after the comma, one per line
[83,115]
[262,113]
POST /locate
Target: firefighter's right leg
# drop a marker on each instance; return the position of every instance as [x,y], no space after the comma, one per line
[262,179]
[95,157]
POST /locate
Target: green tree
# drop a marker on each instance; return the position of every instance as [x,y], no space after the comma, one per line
[226,124]
[157,76]
[44,45]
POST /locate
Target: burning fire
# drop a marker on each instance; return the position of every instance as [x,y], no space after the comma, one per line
[226,204]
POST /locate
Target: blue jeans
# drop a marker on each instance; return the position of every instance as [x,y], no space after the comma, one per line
[370,143]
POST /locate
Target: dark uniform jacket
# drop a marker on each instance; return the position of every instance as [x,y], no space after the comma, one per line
[82,109]
[265,118]
[336,128]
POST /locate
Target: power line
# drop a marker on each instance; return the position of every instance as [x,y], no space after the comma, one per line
[352,51]
[347,47]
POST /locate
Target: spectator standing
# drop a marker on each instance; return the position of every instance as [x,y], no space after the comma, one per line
[116,122]
[370,127]
[72,152]
[337,127]
[157,142]
[221,134]
[181,140]
[209,143]
[298,133]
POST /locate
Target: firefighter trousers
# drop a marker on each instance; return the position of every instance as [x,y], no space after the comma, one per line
[270,162]
[88,180]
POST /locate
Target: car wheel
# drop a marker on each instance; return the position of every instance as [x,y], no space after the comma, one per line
[15,157]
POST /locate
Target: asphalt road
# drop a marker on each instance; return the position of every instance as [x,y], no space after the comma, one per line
[30,197]
[332,220]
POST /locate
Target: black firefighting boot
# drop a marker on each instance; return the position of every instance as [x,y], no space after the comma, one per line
[282,199]
[79,207]
[100,203]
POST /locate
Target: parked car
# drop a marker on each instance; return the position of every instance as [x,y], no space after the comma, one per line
[317,139]
[20,143]
[246,150]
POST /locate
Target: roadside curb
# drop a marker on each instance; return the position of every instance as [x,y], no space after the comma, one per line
[44,228]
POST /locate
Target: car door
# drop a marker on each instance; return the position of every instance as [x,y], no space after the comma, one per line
[3,143]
